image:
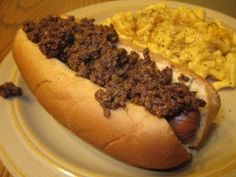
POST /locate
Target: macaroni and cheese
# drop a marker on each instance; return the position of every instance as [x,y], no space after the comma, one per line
[185,36]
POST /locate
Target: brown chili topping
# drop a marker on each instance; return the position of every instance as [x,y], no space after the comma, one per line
[92,51]
[8,89]
[183,78]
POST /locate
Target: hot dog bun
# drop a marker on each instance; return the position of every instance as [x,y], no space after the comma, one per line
[204,90]
[131,134]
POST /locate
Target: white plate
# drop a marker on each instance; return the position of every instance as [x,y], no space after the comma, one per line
[33,144]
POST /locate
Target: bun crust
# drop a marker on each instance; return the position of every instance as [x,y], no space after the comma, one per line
[131,134]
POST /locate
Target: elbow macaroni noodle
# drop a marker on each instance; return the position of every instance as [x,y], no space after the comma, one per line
[185,36]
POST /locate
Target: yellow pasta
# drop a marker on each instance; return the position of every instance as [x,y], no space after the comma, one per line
[185,36]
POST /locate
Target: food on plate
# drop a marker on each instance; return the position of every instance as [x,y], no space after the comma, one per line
[9,89]
[112,93]
[184,36]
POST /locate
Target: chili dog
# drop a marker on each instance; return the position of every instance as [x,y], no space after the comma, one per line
[112,94]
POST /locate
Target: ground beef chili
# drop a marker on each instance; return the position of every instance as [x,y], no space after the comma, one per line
[183,78]
[8,89]
[91,50]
